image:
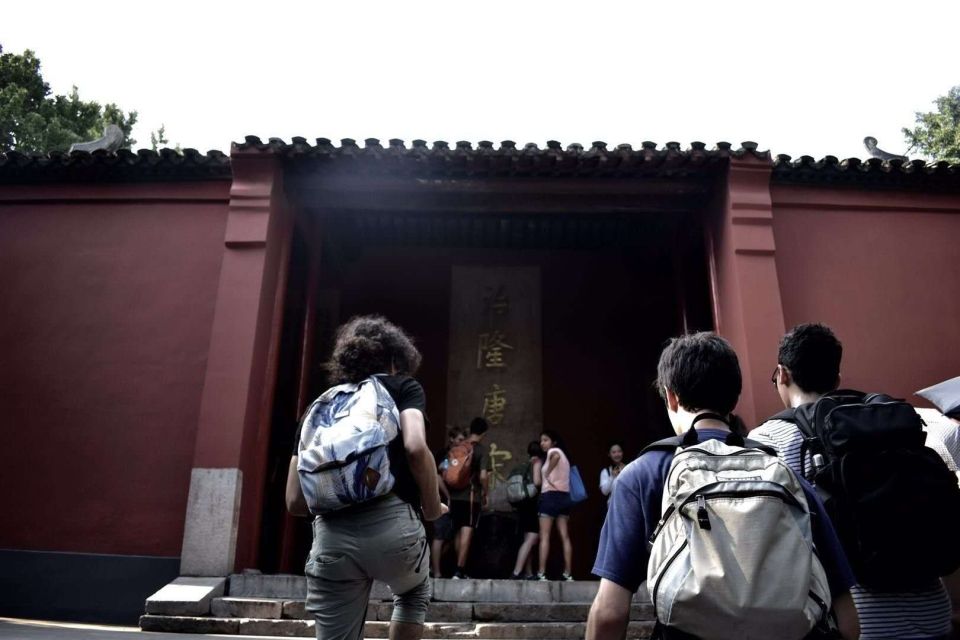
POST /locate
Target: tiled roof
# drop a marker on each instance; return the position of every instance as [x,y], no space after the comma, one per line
[872,173]
[483,159]
[122,166]
[463,159]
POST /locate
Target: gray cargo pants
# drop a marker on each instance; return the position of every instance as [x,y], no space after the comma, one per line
[383,540]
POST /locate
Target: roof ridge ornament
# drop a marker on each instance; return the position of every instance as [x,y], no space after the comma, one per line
[111,141]
[876,152]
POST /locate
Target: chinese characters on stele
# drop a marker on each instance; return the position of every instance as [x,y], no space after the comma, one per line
[493,351]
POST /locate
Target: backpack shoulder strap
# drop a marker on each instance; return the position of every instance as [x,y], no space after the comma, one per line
[799,418]
[787,415]
[846,396]
[667,444]
[466,447]
[753,444]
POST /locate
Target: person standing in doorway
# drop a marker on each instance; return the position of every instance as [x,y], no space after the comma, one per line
[609,474]
[467,478]
[443,531]
[555,502]
[527,516]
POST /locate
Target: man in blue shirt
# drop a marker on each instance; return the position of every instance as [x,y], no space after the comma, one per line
[697,374]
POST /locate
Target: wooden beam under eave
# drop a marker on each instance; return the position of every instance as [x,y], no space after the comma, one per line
[500,185]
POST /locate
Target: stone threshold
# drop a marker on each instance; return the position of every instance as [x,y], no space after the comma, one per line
[276,609]
[636,630]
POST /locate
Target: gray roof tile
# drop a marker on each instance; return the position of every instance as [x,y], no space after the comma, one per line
[438,159]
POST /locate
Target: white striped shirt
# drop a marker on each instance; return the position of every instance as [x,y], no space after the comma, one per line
[913,614]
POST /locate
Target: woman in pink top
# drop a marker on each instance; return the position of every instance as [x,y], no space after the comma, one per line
[555,501]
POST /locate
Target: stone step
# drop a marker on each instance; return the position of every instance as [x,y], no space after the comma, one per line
[554,612]
[275,609]
[263,608]
[514,591]
[186,597]
[258,585]
[637,630]
[444,590]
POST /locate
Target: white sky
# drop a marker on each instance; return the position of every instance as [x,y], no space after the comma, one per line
[799,78]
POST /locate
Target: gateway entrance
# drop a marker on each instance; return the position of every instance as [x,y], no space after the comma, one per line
[532,320]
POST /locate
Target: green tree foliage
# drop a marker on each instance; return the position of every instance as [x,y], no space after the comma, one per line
[158,138]
[937,133]
[31,119]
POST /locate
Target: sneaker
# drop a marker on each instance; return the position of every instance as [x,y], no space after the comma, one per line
[533,576]
[516,576]
[567,577]
[460,575]
[541,577]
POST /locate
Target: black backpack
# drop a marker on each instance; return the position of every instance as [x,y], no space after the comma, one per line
[893,501]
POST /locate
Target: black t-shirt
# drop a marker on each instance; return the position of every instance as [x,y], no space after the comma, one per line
[407,394]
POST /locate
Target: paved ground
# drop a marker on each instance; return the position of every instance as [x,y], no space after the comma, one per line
[14,629]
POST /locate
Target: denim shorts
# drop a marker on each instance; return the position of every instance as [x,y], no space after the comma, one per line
[554,504]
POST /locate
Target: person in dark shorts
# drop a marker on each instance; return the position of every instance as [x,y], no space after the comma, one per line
[383,538]
[442,530]
[554,505]
[528,519]
[467,503]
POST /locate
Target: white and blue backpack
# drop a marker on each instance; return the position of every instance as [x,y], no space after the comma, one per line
[344,436]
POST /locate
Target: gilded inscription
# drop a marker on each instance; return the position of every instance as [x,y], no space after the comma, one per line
[490,350]
[494,404]
[498,460]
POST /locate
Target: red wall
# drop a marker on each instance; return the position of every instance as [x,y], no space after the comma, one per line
[748,310]
[108,295]
[882,269]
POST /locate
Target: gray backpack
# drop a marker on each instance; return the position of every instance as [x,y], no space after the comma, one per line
[520,485]
[732,557]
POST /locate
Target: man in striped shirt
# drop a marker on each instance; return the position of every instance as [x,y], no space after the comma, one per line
[808,366]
